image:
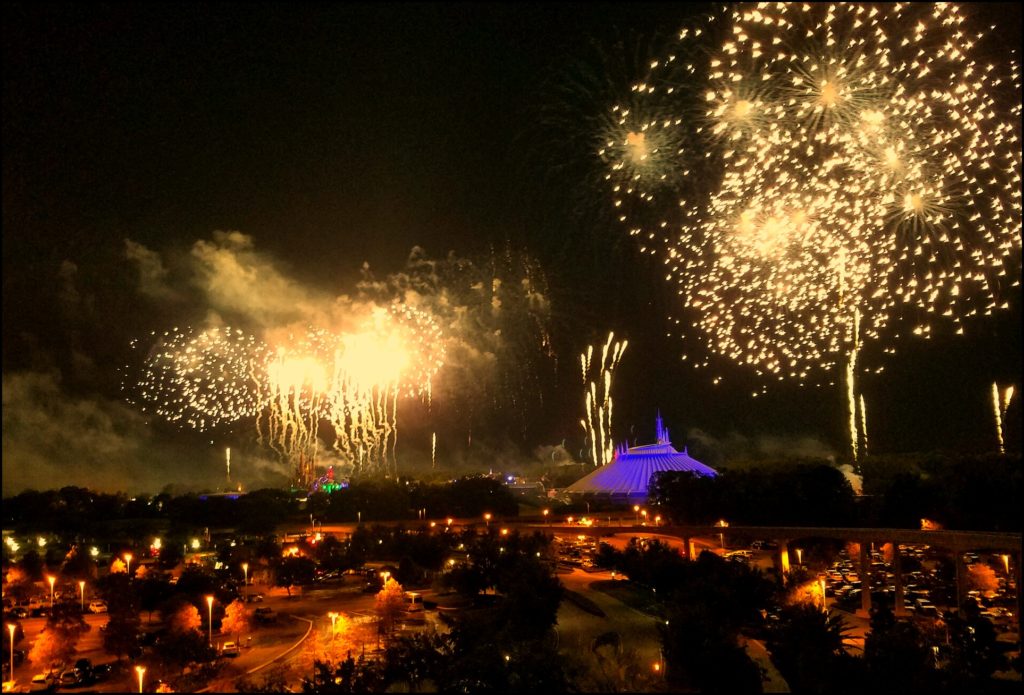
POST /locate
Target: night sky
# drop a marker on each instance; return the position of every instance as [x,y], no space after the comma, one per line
[338,135]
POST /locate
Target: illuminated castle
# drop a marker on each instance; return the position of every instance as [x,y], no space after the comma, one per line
[629,473]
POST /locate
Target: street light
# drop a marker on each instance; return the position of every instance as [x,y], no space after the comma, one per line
[334,617]
[81,589]
[546,512]
[140,670]
[487,519]
[636,513]
[1006,563]
[643,512]
[657,520]
[128,564]
[209,605]
[448,521]
[245,572]
[11,627]
[51,579]
[799,556]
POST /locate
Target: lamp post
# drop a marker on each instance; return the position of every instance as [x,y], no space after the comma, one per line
[245,572]
[334,617]
[643,512]
[545,513]
[140,670]
[636,513]
[11,627]
[209,605]
[81,590]
[128,564]
[487,519]
[799,556]
[51,579]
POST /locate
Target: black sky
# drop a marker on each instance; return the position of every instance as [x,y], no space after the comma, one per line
[337,134]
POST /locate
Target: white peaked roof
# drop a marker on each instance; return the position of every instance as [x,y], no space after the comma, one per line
[629,473]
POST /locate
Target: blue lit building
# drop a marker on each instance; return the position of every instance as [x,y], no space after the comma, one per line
[629,473]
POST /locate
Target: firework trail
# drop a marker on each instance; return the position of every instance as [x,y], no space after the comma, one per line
[297,387]
[851,167]
[598,399]
[1000,404]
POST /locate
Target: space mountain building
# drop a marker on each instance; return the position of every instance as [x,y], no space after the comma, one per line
[629,473]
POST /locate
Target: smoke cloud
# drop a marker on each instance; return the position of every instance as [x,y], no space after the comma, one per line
[735,447]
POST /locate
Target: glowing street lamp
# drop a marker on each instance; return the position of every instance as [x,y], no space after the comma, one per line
[11,627]
[1006,563]
[51,579]
[128,563]
[140,670]
[487,519]
[209,605]
[636,513]
[657,520]
[448,521]
[334,617]
[545,513]
[385,575]
[643,512]
[799,556]
[81,589]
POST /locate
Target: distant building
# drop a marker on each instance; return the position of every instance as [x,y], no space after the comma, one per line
[629,473]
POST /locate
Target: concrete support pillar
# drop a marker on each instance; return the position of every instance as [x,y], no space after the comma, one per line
[865,579]
[897,570]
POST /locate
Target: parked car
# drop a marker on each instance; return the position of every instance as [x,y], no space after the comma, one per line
[254,598]
[70,677]
[43,681]
[102,672]
[98,606]
[230,649]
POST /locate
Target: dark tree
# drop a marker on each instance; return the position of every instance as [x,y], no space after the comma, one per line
[292,571]
[896,655]
[807,648]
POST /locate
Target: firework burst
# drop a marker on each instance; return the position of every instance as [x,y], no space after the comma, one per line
[856,170]
[202,378]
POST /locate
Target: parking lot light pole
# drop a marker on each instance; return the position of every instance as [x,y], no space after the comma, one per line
[11,627]
[209,605]
[51,579]
[81,589]
[140,670]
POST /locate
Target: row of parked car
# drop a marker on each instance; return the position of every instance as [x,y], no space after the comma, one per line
[83,673]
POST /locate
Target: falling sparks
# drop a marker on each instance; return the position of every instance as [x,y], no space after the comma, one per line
[844,173]
[598,398]
[292,383]
[1000,404]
